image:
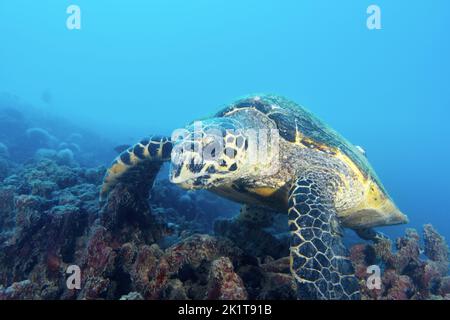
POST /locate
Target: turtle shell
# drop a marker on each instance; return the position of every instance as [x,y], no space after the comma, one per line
[297,125]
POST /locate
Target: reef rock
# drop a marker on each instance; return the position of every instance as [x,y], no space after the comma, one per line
[255,235]
[224,283]
[405,273]
[133,247]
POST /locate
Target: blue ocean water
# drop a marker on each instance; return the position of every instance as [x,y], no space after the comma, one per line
[140,67]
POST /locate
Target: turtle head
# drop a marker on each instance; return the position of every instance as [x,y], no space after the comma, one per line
[208,154]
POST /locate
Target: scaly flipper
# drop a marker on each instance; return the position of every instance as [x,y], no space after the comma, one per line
[318,257]
[141,161]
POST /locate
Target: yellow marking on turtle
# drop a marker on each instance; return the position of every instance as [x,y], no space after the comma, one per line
[373,198]
[263,191]
[117,168]
[305,142]
[298,135]
[374,205]
[133,158]
[372,195]
[353,167]
[160,148]
[145,153]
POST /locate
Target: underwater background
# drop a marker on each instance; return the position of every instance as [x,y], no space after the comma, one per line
[148,67]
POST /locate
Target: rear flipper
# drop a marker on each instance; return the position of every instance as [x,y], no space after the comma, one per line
[371,235]
[138,165]
[256,216]
[318,257]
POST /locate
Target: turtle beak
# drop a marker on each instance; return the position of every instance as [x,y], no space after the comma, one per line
[187,174]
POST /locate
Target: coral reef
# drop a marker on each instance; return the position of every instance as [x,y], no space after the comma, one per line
[3,150]
[50,218]
[171,244]
[65,156]
[4,169]
[189,212]
[131,248]
[406,272]
[25,130]
[12,120]
[224,283]
[75,148]
[256,235]
[40,137]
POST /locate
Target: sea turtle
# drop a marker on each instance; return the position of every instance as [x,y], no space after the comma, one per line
[307,170]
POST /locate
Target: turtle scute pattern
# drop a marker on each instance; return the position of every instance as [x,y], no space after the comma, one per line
[318,259]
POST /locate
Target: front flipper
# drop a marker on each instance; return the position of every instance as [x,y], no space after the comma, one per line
[318,257]
[139,163]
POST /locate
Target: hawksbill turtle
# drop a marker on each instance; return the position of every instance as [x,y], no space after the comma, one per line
[308,170]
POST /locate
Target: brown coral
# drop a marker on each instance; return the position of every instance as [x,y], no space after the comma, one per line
[405,275]
[224,283]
